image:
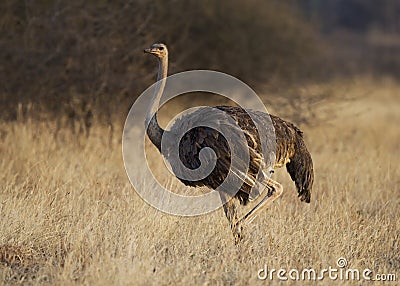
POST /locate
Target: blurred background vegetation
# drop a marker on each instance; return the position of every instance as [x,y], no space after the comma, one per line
[85,58]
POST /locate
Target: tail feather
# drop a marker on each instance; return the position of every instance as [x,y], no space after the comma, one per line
[301,171]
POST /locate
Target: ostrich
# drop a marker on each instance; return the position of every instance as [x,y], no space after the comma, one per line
[290,151]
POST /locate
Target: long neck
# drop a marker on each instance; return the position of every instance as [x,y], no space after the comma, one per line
[154,130]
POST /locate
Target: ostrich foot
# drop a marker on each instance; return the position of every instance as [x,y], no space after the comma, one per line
[237,230]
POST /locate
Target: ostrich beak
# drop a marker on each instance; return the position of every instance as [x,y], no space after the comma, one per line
[147,51]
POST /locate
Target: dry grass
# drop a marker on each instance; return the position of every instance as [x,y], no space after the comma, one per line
[70,216]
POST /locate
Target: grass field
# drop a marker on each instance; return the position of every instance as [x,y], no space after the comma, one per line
[70,216]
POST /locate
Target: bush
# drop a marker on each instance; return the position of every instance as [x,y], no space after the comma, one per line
[57,51]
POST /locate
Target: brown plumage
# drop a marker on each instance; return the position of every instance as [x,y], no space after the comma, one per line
[290,151]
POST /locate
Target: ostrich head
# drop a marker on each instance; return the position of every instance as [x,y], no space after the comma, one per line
[158,50]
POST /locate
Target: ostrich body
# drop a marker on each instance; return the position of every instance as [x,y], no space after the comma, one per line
[290,151]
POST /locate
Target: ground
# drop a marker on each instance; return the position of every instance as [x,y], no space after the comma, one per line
[70,216]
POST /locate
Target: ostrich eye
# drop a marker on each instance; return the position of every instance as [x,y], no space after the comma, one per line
[161,48]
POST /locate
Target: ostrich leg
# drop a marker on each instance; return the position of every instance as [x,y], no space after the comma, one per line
[274,191]
[231,212]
